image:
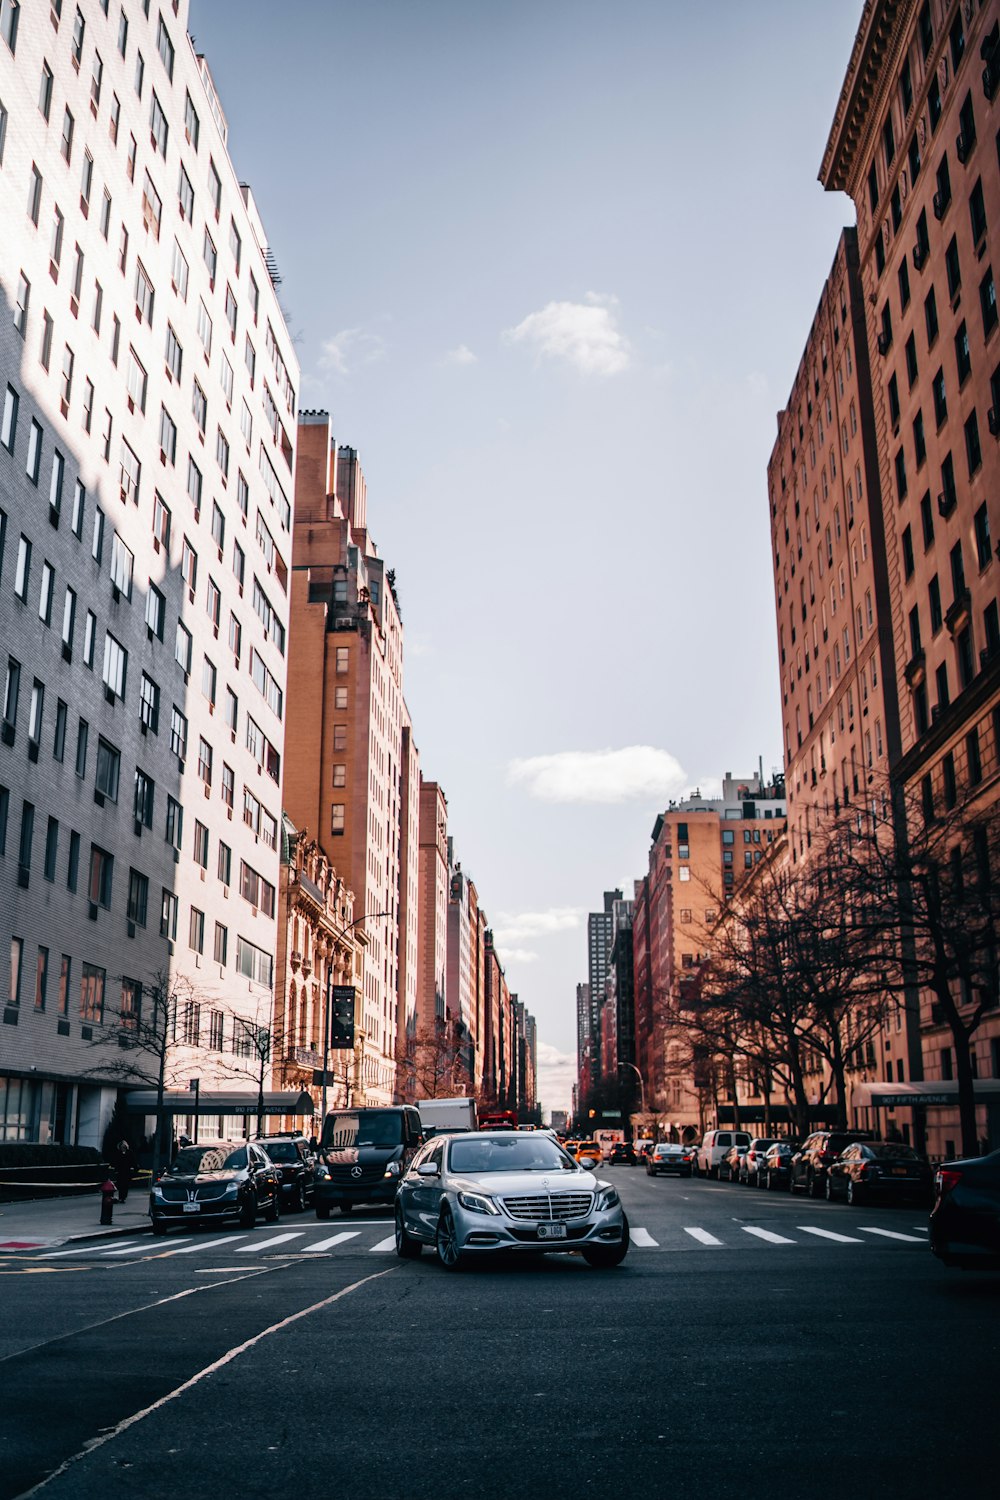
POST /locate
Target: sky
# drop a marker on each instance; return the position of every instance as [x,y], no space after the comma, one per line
[551,265]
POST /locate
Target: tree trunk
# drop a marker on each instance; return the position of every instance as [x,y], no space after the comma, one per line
[966,1089]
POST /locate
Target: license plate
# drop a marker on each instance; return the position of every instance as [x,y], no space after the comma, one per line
[900,1172]
[552,1231]
[191,1208]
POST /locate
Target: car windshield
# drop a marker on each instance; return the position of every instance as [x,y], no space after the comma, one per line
[281,1150]
[894,1150]
[193,1159]
[760,1145]
[508,1154]
[668,1150]
[381,1128]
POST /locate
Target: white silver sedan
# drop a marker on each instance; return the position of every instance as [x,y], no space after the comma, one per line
[483,1192]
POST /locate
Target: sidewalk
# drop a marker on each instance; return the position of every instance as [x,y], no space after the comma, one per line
[54,1221]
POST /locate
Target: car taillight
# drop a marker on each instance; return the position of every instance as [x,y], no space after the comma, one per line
[947,1179]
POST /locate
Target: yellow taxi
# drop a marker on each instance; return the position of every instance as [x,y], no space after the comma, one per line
[589,1149]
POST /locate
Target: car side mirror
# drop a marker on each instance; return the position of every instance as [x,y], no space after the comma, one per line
[589,1164]
[428,1169]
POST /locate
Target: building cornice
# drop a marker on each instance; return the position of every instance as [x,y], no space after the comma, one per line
[882,26]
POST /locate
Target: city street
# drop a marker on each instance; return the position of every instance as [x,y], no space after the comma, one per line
[752,1344]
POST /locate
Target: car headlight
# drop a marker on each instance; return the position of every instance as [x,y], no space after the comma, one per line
[478,1203]
[232,1189]
[157,1190]
[606,1198]
[322,1174]
[392,1169]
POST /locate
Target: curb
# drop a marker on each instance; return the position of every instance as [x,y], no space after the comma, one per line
[108,1234]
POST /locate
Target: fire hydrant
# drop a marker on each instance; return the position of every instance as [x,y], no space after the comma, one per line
[108,1192]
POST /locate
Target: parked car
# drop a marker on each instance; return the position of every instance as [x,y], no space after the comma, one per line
[643,1149]
[471,1195]
[731,1165]
[363,1155]
[714,1145]
[809,1164]
[776,1166]
[222,1181]
[296,1163]
[870,1169]
[623,1154]
[667,1157]
[753,1160]
[965,1217]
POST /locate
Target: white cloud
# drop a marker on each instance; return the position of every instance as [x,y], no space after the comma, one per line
[556,1077]
[511,927]
[350,348]
[582,333]
[517,955]
[600,776]
[463,355]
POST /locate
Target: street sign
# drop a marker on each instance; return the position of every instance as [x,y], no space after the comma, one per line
[342,1015]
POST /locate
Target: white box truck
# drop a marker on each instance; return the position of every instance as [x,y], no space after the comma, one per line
[440,1115]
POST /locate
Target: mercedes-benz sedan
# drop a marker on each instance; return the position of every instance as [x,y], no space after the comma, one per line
[469,1195]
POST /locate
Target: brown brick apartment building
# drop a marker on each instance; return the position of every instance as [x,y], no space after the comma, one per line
[914,143]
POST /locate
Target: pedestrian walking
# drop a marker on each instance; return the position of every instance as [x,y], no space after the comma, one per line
[124,1161]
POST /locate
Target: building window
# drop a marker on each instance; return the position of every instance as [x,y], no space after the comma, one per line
[337,813]
[92,981]
[108,767]
[138,898]
[168,916]
[102,869]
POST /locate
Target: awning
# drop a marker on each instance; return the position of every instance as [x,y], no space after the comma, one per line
[902,1095]
[207,1102]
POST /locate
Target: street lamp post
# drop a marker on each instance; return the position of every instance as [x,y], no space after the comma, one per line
[642,1086]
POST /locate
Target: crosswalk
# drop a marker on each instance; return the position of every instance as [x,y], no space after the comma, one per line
[371,1239]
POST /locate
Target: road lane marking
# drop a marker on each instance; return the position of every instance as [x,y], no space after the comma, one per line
[216,1365]
[140,1246]
[276,1239]
[891,1234]
[383,1246]
[334,1239]
[86,1250]
[642,1237]
[766,1234]
[703,1237]
[828,1234]
[227,1239]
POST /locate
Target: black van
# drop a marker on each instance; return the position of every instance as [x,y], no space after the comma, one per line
[363,1154]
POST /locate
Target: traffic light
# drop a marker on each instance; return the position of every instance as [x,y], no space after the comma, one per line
[342,1015]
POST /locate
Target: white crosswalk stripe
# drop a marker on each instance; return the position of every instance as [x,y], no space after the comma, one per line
[86,1250]
[891,1234]
[828,1234]
[140,1246]
[384,1245]
[276,1239]
[642,1237]
[766,1234]
[703,1237]
[227,1239]
[328,1244]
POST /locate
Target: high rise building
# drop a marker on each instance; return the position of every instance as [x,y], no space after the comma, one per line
[344,764]
[600,936]
[147,447]
[913,144]
[408,936]
[458,986]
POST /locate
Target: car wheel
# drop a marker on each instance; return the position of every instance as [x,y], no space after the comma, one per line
[248,1215]
[407,1248]
[853,1193]
[347,1208]
[446,1242]
[322,1210]
[272,1210]
[810,1185]
[298,1202]
[606,1257]
[159,1225]
[828,1189]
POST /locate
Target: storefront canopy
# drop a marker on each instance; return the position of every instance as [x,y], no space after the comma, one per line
[208,1102]
[901,1095]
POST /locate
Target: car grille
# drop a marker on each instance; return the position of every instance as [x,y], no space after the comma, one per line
[549,1206]
[203,1194]
[342,1176]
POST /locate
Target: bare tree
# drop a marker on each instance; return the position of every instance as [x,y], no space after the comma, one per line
[438,1057]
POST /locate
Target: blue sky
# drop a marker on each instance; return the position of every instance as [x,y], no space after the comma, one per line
[551,267]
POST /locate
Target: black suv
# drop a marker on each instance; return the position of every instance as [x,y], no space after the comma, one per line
[808,1167]
[296,1164]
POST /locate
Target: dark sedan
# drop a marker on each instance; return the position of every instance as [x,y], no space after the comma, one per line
[296,1164]
[753,1160]
[731,1165]
[776,1169]
[667,1157]
[224,1181]
[965,1217]
[622,1154]
[878,1169]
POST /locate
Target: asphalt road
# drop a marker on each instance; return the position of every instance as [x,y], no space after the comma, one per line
[751,1345]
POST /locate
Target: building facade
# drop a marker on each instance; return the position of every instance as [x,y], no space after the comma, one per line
[148,436]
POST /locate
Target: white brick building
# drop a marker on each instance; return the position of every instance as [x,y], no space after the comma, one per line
[148,390]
